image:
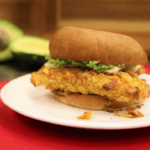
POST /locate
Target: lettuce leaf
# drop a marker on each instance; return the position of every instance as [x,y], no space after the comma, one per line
[85,64]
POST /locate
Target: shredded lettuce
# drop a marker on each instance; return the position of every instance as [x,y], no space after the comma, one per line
[85,64]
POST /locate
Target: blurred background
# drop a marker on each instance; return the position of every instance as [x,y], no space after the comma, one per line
[41,18]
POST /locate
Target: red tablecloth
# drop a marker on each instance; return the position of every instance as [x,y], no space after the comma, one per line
[18,132]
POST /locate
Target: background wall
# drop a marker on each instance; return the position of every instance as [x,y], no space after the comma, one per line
[130,17]
[44,17]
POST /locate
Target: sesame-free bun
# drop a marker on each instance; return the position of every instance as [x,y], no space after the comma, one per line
[93,102]
[81,44]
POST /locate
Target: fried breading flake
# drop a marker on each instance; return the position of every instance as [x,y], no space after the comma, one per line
[108,109]
[109,86]
[140,105]
[86,115]
[131,108]
[127,115]
[131,113]
[137,114]
[117,110]
[117,115]
[131,90]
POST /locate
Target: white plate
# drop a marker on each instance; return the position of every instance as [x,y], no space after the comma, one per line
[38,103]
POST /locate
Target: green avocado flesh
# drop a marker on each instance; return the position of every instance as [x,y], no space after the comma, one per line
[85,64]
[30,50]
[12,32]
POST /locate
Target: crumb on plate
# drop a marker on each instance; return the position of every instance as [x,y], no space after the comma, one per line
[85,115]
[131,113]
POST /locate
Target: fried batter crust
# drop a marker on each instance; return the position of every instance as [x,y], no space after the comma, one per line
[122,87]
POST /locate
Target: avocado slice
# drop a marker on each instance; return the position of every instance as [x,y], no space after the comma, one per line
[30,50]
[12,32]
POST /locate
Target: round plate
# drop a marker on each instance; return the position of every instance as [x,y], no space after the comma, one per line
[39,103]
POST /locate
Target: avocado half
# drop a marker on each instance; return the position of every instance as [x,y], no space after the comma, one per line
[13,32]
[30,50]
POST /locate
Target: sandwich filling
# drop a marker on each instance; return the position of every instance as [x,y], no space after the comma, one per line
[124,86]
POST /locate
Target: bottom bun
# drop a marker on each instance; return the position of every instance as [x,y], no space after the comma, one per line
[92,102]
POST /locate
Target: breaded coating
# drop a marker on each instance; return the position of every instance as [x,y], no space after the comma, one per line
[123,86]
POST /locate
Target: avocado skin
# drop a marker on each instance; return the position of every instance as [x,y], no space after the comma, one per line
[29,60]
[13,32]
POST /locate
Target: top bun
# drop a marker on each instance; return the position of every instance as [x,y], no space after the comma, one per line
[81,44]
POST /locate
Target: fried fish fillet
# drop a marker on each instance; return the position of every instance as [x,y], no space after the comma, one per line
[122,86]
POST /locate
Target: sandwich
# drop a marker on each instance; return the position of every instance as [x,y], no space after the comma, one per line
[93,69]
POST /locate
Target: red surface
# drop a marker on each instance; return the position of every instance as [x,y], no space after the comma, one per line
[18,132]
[147,68]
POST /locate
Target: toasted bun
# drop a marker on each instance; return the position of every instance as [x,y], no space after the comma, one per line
[92,102]
[88,45]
